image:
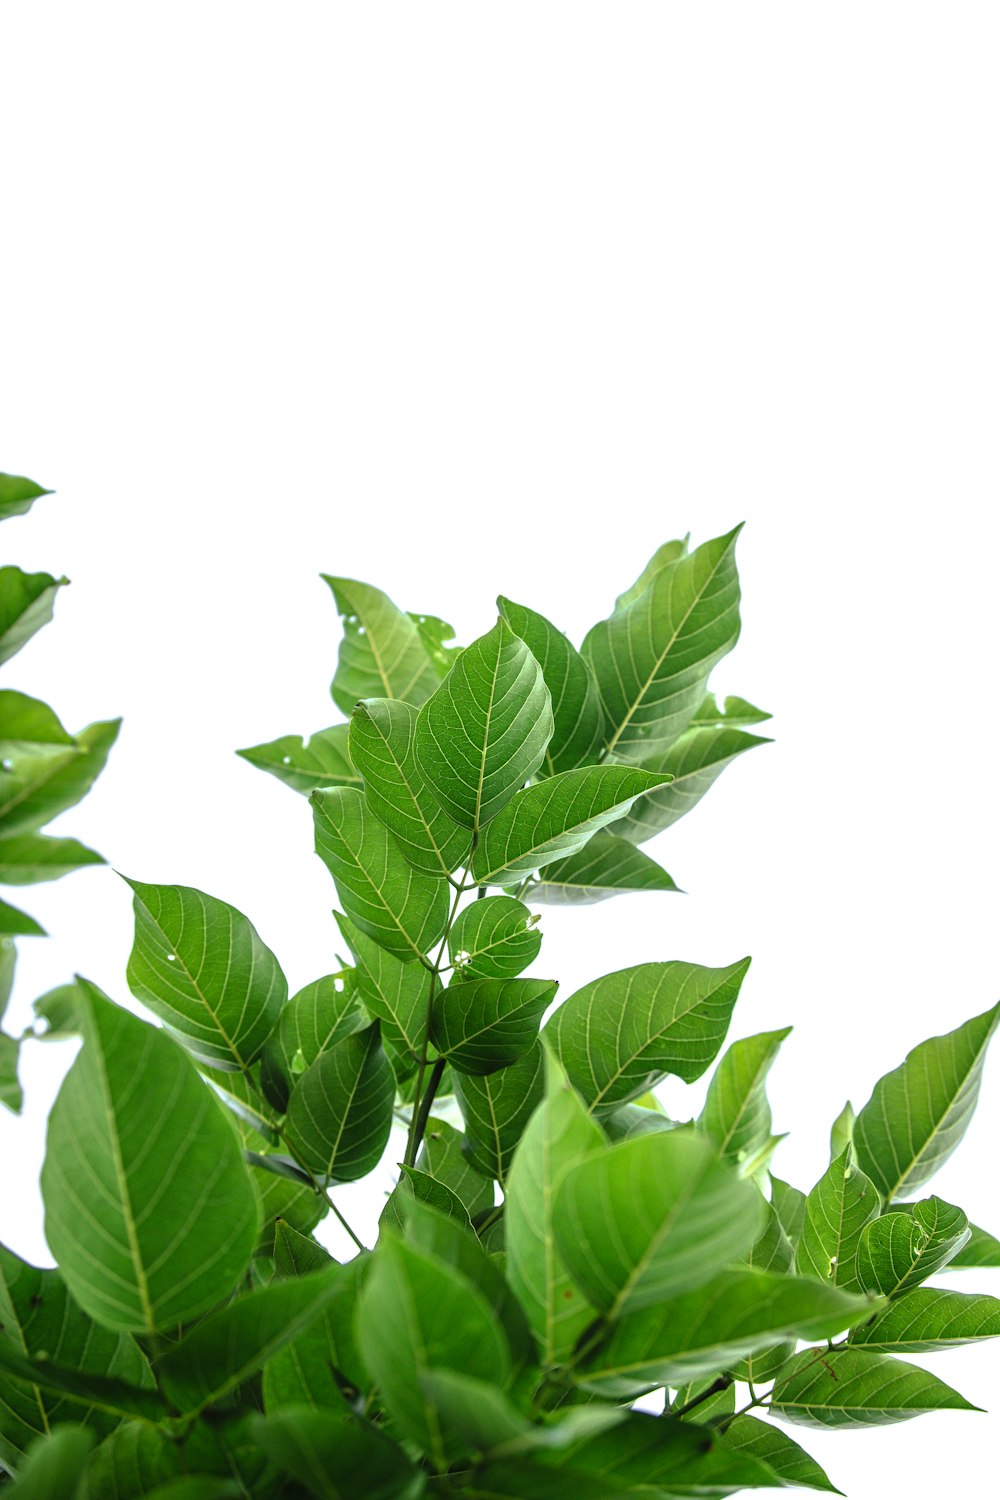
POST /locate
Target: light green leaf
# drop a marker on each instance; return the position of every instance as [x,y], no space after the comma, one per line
[199,965]
[336,1455]
[635,1119]
[435,635]
[737,1116]
[792,1464]
[899,1250]
[381,655]
[606,866]
[54,1462]
[926,1319]
[305,764]
[837,1210]
[497,1108]
[43,770]
[735,713]
[554,819]
[842,1131]
[57,1010]
[772,1252]
[680,1215]
[11,1094]
[789,1204]
[622,1034]
[484,732]
[576,703]
[666,553]
[340,1112]
[403,909]
[17,495]
[919,1112]
[652,659]
[314,1019]
[441,1156]
[26,602]
[382,739]
[694,763]
[850,1387]
[394,993]
[8,965]
[426,1189]
[982,1249]
[26,858]
[149,1210]
[495,938]
[482,1025]
[16,923]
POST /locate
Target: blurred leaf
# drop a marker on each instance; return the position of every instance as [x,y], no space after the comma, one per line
[336,1455]
[54,1462]
[11,1094]
[26,603]
[17,495]
[16,923]
[27,858]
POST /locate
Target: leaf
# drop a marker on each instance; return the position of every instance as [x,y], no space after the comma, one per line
[899,1250]
[652,659]
[394,993]
[403,909]
[199,965]
[45,777]
[382,738]
[17,495]
[497,1108]
[790,1205]
[16,923]
[336,1455]
[735,712]
[982,1249]
[494,938]
[694,763]
[484,732]
[27,858]
[148,1207]
[576,704]
[316,1018]
[837,1210]
[130,1463]
[476,1414]
[381,654]
[426,1189]
[435,634]
[340,1113]
[54,1462]
[679,1213]
[559,1134]
[622,1034]
[26,603]
[554,819]
[606,866]
[305,764]
[323,1364]
[919,1112]
[850,1387]
[926,1319]
[442,1158]
[737,1116]
[666,553]
[297,1254]
[482,1025]
[791,1463]
[8,965]
[11,1093]
[842,1131]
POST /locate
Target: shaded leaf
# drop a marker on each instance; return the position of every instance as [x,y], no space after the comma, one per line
[381,655]
[340,1112]
[11,1093]
[393,992]
[315,1019]
[322,1364]
[495,938]
[414,1183]
[849,1387]
[694,763]
[54,1463]
[497,1108]
[576,704]
[129,1464]
[606,866]
[17,495]
[26,603]
[790,1206]
[297,1254]
[837,1210]
[926,1319]
[336,1455]
[305,764]
[482,1025]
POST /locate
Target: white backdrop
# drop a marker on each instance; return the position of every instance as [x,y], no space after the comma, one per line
[462,299]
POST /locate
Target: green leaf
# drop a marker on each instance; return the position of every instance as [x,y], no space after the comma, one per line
[576,703]
[982,1249]
[297,1254]
[790,1205]
[606,866]
[323,1364]
[148,1207]
[481,1025]
[130,1463]
[842,1131]
[199,965]
[441,1156]
[315,1019]
[382,737]
[772,1252]
[26,602]
[919,1112]
[305,764]
[495,938]
[403,909]
[435,634]
[394,993]
[426,1189]
[679,1213]
[17,495]
[622,1034]
[899,1250]
[8,965]
[198,1487]
[694,763]
[652,659]
[497,1108]
[484,732]
[382,654]
[735,712]
[340,1113]
[43,770]
[837,1210]
[781,1453]
[11,1094]
[57,1010]
[926,1319]
[737,1116]
[16,923]
[666,553]
[554,819]
[559,1134]
[336,1455]
[850,1387]
[27,858]
[54,1462]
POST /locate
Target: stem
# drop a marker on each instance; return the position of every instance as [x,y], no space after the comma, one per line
[416,1130]
[343,1222]
[422,1115]
[721,1384]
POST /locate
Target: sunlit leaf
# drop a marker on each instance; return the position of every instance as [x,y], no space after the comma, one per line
[16,923]
[666,553]
[381,655]
[314,1019]
[899,1250]
[850,1387]
[606,866]
[43,770]
[305,764]
[837,1210]
[926,1319]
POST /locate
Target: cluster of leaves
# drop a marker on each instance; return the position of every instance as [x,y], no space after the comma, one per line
[555,1248]
[43,771]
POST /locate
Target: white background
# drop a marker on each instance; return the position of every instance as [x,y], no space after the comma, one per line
[461,299]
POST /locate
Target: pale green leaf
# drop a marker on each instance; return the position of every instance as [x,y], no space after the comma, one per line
[8,965]
[926,1319]
[495,938]
[436,636]
[27,858]
[482,1025]
[43,770]
[26,602]
[694,763]
[736,1115]
[305,764]
[842,1131]
[849,1387]
[381,655]
[837,1210]
[606,866]
[17,495]
[17,923]
[666,553]
[576,703]
[340,1112]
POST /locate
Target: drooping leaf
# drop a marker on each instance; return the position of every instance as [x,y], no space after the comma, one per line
[381,655]
[17,495]
[495,938]
[53,1464]
[652,659]
[40,778]
[442,1158]
[837,1210]
[26,858]
[497,1108]
[340,1111]
[484,732]
[899,1250]
[26,603]
[403,909]
[919,1112]
[926,1319]
[555,819]
[606,866]
[393,992]
[622,1034]
[482,1025]
[680,1215]
[305,764]
[199,965]
[694,763]
[792,1464]
[736,1115]
[576,704]
[666,553]
[337,1455]
[850,1387]
[149,1210]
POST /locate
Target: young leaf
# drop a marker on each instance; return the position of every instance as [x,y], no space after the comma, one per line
[900,1250]
[27,858]
[925,1320]
[199,965]
[919,1112]
[149,1210]
[679,1216]
[340,1112]
[382,747]
[26,602]
[666,553]
[336,1455]
[737,1116]
[620,1035]
[850,1387]
[837,1210]
[17,495]
[442,1158]
[482,1025]
[497,1108]
[403,909]
[305,764]
[606,866]
[652,659]
[792,1464]
[694,763]
[381,655]
[394,993]
[495,938]
[555,819]
[576,702]
[484,732]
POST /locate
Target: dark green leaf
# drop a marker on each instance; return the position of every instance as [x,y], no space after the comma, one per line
[420,1185]
[305,764]
[605,866]
[336,1455]
[393,992]
[481,1025]
[495,938]
[26,602]
[315,1019]
[737,1116]
[850,1387]
[323,1364]
[130,1463]
[442,1158]
[53,1464]
[381,655]
[198,1487]
[26,858]
[497,1108]
[340,1112]
[899,1250]
[837,1210]
[791,1463]
[694,763]
[17,495]
[926,1319]
[297,1254]
[576,703]
[636,1119]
